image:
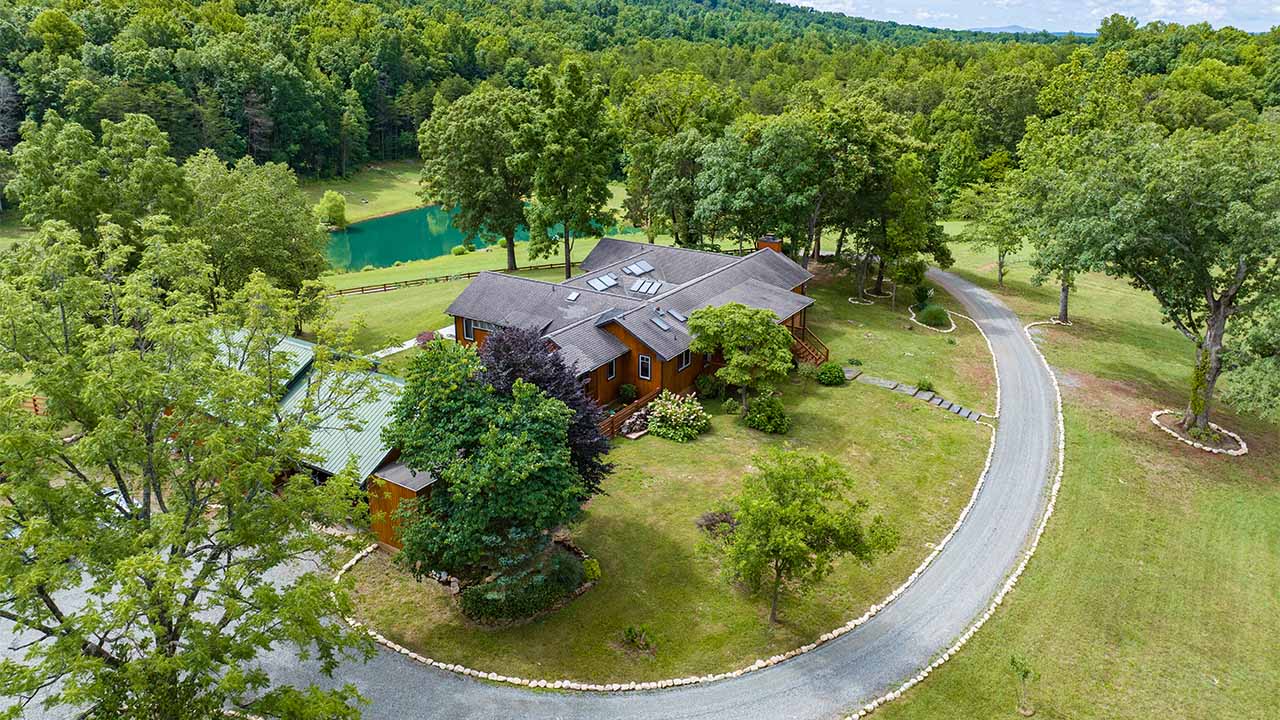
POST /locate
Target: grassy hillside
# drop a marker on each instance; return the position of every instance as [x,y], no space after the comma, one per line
[1156,589]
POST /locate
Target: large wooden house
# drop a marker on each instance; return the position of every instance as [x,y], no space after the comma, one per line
[624,320]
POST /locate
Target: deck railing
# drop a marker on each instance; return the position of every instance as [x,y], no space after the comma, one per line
[35,404]
[809,346]
[396,285]
[612,425]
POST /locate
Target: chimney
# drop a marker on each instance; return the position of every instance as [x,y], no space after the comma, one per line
[770,241]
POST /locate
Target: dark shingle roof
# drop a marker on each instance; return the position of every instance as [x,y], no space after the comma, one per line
[691,280]
[397,473]
[510,301]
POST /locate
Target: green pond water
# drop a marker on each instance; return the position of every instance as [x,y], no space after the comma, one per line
[411,235]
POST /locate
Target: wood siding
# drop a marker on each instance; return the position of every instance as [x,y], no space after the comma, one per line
[480,335]
[384,500]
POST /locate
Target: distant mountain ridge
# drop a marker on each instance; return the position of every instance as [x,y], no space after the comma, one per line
[1022,29]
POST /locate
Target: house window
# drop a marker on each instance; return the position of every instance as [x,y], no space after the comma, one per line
[468,329]
[686,359]
[646,367]
[613,369]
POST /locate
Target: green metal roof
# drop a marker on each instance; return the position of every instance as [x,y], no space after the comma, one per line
[334,443]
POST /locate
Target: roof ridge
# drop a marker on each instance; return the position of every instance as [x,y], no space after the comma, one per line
[547,283]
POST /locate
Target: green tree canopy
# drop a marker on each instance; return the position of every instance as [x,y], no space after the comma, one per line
[794,519]
[504,469]
[332,209]
[756,349]
[154,554]
[568,151]
[473,163]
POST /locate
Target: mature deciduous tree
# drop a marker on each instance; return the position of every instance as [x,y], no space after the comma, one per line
[64,173]
[992,221]
[794,519]
[506,475]
[513,354]
[756,349]
[474,163]
[332,209]
[568,151]
[253,218]
[152,555]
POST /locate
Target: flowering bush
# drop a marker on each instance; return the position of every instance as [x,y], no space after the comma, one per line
[677,418]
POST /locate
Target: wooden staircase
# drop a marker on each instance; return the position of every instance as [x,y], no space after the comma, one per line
[808,347]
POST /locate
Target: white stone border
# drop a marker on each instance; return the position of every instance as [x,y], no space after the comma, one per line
[930,327]
[1243,449]
[856,301]
[760,663]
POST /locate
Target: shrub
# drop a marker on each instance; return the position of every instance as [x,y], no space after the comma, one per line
[911,272]
[717,523]
[459,250]
[731,407]
[709,387]
[808,372]
[767,415]
[637,638]
[922,293]
[526,595]
[367,268]
[855,362]
[677,418]
[934,316]
[628,393]
[501,243]
[591,571]
[925,385]
[425,337]
[831,374]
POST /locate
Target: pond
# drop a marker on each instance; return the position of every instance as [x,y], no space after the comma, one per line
[418,234]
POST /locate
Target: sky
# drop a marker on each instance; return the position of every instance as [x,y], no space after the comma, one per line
[1057,15]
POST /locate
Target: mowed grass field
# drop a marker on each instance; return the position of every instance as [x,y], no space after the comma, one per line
[915,465]
[377,189]
[1156,589]
[12,230]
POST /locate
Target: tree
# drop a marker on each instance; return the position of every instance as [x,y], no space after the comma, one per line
[472,160]
[1025,675]
[253,218]
[756,349]
[992,222]
[1085,96]
[353,133]
[1194,219]
[794,519]
[667,119]
[911,222]
[1255,368]
[506,475]
[958,167]
[154,554]
[513,354]
[568,151]
[332,209]
[10,113]
[64,173]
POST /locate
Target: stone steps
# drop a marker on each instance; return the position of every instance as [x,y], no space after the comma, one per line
[912,391]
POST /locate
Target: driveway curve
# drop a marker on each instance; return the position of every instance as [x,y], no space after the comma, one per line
[838,676]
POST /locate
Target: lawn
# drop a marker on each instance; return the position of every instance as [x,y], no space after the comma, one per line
[1156,589]
[12,230]
[891,346]
[377,189]
[390,318]
[915,465]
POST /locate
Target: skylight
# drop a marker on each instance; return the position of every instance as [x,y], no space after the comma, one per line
[660,323]
[677,315]
[573,296]
[644,266]
[635,286]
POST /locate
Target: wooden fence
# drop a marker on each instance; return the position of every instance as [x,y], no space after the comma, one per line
[35,404]
[388,286]
[612,425]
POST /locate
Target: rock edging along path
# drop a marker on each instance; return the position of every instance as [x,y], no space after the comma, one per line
[926,624]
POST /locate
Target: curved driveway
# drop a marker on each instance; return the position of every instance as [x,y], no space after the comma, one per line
[837,676]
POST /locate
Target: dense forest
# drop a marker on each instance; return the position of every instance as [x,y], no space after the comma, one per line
[726,120]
